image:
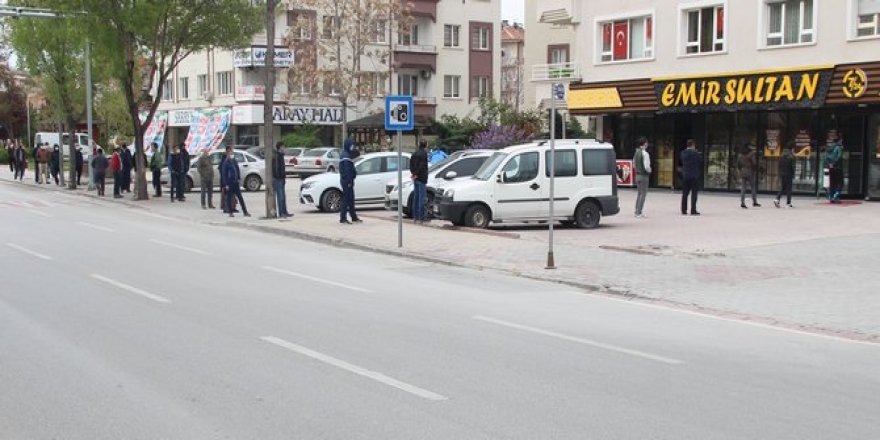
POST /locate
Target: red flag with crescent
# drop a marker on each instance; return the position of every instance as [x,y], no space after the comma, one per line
[621,40]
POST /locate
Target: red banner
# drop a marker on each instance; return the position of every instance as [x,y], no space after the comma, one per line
[621,40]
[625,173]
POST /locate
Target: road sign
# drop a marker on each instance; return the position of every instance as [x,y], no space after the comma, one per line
[399,113]
[559,91]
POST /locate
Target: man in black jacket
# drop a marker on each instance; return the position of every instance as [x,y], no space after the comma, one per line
[418,168]
[691,171]
[786,175]
[279,180]
[125,157]
[183,157]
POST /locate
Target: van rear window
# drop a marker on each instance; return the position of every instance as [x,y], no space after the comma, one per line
[598,162]
[565,163]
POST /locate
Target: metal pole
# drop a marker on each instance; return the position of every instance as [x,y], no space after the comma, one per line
[60,154]
[28,105]
[563,126]
[551,264]
[89,116]
[400,189]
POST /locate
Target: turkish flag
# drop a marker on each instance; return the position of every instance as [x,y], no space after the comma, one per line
[606,36]
[621,40]
[720,23]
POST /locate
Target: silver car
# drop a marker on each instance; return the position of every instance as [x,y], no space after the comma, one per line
[253,171]
[316,161]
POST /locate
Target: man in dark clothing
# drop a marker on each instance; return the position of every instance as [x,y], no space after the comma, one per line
[34,155]
[834,160]
[156,162]
[172,161]
[19,158]
[79,162]
[748,173]
[691,171]
[786,176]
[100,164]
[279,181]
[232,182]
[183,158]
[418,168]
[347,175]
[55,163]
[125,157]
[116,168]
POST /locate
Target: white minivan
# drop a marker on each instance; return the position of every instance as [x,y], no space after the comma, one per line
[513,186]
[63,141]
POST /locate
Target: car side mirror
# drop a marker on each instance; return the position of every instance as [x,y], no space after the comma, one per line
[499,178]
[451,175]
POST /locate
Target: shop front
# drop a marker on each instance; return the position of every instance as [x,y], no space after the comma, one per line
[805,108]
[248,122]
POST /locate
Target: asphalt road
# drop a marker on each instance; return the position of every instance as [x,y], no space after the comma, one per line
[119,324]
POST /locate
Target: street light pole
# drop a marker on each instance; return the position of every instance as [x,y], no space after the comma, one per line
[89,116]
[551,264]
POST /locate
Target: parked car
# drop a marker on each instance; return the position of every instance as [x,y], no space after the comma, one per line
[513,186]
[324,192]
[456,166]
[253,171]
[316,161]
[291,155]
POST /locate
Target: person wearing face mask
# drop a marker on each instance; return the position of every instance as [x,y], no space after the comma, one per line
[232,182]
[279,181]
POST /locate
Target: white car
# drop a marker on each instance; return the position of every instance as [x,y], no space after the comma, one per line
[457,165]
[324,192]
[253,170]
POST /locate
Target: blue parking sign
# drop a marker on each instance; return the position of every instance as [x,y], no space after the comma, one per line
[399,113]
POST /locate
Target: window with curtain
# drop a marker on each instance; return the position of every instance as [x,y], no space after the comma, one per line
[868,18]
[789,22]
[704,29]
[629,39]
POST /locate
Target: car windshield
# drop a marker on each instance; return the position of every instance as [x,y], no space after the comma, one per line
[488,169]
[446,161]
[317,152]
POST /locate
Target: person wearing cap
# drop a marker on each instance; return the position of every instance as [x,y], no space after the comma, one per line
[347,175]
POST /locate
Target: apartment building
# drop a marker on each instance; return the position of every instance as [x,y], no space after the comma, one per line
[772,73]
[447,60]
[513,38]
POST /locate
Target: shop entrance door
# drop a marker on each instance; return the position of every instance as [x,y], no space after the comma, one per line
[873,151]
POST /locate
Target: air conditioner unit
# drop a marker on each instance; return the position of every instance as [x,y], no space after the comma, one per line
[426,74]
[208,95]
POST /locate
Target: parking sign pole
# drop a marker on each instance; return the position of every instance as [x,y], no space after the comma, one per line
[400,189]
[551,264]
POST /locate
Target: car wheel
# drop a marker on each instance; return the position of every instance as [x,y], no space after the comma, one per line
[253,183]
[587,215]
[477,216]
[407,210]
[331,200]
[189,184]
[429,207]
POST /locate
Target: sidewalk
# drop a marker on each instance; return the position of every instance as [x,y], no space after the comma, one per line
[809,268]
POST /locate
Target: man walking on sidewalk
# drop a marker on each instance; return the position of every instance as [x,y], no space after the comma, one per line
[100,165]
[279,181]
[418,168]
[79,162]
[691,171]
[183,157]
[786,175]
[748,174]
[19,157]
[206,179]
[642,165]
[232,182]
[156,162]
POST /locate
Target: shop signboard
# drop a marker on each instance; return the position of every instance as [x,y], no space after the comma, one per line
[255,56]
[250,114]
[802,88]
[180,118]
[625,172]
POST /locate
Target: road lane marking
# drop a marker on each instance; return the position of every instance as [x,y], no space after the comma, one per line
[28,251]
[131,289]
[316,279]
[583,341]
[160,216]
[41,213]
[96,227]
[177,246]
[378,377]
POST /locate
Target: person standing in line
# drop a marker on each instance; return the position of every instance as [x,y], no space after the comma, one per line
[786,176]
[156,162]
[19,157]
[79,162]
[125,157]
[55,163]
[642,165]
[834,160]
[184,159]
[691,172]
[35,154]
[100,165]
[10,151]
[347,175]
[418,168]
[172,163]
[279,181]
[747,162]
[232,182]
[116,168]
[206,179]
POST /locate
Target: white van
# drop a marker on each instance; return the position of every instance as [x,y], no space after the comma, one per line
[64,142]
[513,185]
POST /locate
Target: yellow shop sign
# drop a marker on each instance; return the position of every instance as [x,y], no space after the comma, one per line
[744,91]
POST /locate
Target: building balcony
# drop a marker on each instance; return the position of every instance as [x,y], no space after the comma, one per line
[561,12]
[559,72]
[416,48]
[425,106]
[415,60]
[254,94]
[424,8]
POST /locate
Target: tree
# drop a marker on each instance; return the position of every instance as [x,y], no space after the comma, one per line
[305,136]
[143,41]
[13,106]
[500,136]
[112,110]
[53,50]
[352,53]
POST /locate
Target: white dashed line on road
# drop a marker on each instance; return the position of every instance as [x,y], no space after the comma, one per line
[131,289]
[316,279]
[583,341]
[95,227]
[360,371]
[28,251]
[177,246]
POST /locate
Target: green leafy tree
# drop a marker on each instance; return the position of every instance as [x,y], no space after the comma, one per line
[305,136]
[111,110]
[13,110]
[140,42]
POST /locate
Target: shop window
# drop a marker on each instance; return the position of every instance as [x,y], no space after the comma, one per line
[746,129]
[849,129]
[801,136]
[789,22]
[867,18]
[626,39]
[565,163]
[717,151]
[775,138]
[704,30]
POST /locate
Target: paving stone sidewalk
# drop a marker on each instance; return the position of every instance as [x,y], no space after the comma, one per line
[811,267]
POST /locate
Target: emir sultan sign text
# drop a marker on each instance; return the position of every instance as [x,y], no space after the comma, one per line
[749,91]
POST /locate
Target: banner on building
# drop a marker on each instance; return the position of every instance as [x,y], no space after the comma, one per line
[155,132]
[207,129]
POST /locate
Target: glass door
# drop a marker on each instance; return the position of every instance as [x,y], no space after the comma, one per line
[716,151]
[873,142]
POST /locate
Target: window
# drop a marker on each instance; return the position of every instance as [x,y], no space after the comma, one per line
[408,85]
[598,162]
[481,38]
[450,35]
[168,90]
[331,22]
[300,25]
[331,85]
[379,83]
[409,37]
[378,32]
[557,54]
[522,168]
[391,163]
[183,88]
[565,163]
[369,166]
[789,22]
[202,84]
[465,167]
[629,39]
[224,83]
[704,29]
[301,86]
[451,86]
[868,20]
[482,86]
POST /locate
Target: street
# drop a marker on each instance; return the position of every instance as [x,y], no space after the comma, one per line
[116,322]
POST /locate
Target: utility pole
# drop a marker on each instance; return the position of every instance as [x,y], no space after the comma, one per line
[268,105]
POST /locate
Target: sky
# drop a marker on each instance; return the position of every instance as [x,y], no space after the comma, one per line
[513,10]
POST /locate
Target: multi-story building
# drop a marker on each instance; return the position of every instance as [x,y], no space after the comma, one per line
[448,59]
[772,73]
[512,64]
